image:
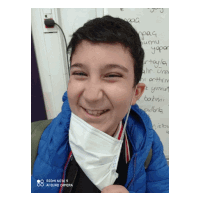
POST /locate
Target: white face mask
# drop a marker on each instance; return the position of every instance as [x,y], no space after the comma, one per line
[96,152]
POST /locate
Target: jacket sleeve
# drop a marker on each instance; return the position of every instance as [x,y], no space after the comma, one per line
[157,174]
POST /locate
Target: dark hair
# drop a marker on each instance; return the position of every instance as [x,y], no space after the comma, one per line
[111,30]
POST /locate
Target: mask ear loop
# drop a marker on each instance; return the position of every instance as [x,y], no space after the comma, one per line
[124,128]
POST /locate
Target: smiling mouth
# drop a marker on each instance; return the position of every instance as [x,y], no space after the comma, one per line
[95,113]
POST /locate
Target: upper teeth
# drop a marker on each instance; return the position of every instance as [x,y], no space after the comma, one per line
[95,112]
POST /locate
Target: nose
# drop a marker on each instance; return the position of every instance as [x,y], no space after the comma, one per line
[93,91]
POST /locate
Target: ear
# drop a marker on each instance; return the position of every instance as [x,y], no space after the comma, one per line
[139,90]
[140,87]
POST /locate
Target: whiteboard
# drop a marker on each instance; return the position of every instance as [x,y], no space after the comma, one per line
[152,25]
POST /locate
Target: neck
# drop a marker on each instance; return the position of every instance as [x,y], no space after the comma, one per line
[117,131]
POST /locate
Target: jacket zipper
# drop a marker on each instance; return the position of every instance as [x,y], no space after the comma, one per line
[65,168]
[134,173]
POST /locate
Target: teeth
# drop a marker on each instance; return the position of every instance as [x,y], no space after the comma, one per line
[95,112]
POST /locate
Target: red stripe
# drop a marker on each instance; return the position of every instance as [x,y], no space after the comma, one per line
[120,134]
[127,150]
[126,144]
[65,169]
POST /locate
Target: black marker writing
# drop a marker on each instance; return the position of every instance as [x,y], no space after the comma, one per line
[159,49]
[155,9]
[147,33]
[132,20]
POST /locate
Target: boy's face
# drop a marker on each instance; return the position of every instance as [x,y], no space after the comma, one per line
[97,83]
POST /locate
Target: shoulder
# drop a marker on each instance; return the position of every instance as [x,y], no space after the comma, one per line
[137,112]
[158,158]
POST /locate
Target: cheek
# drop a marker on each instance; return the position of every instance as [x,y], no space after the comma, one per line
[122,110]
[72,93]
[120,94]
[73,87]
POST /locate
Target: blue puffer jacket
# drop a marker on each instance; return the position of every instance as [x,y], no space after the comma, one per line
[54,149]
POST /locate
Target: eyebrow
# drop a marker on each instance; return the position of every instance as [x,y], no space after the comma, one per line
[108,66]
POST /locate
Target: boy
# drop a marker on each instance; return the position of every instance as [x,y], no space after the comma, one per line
[101,139]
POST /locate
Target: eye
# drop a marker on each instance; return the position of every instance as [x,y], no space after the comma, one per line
[113,75]
[79,74]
